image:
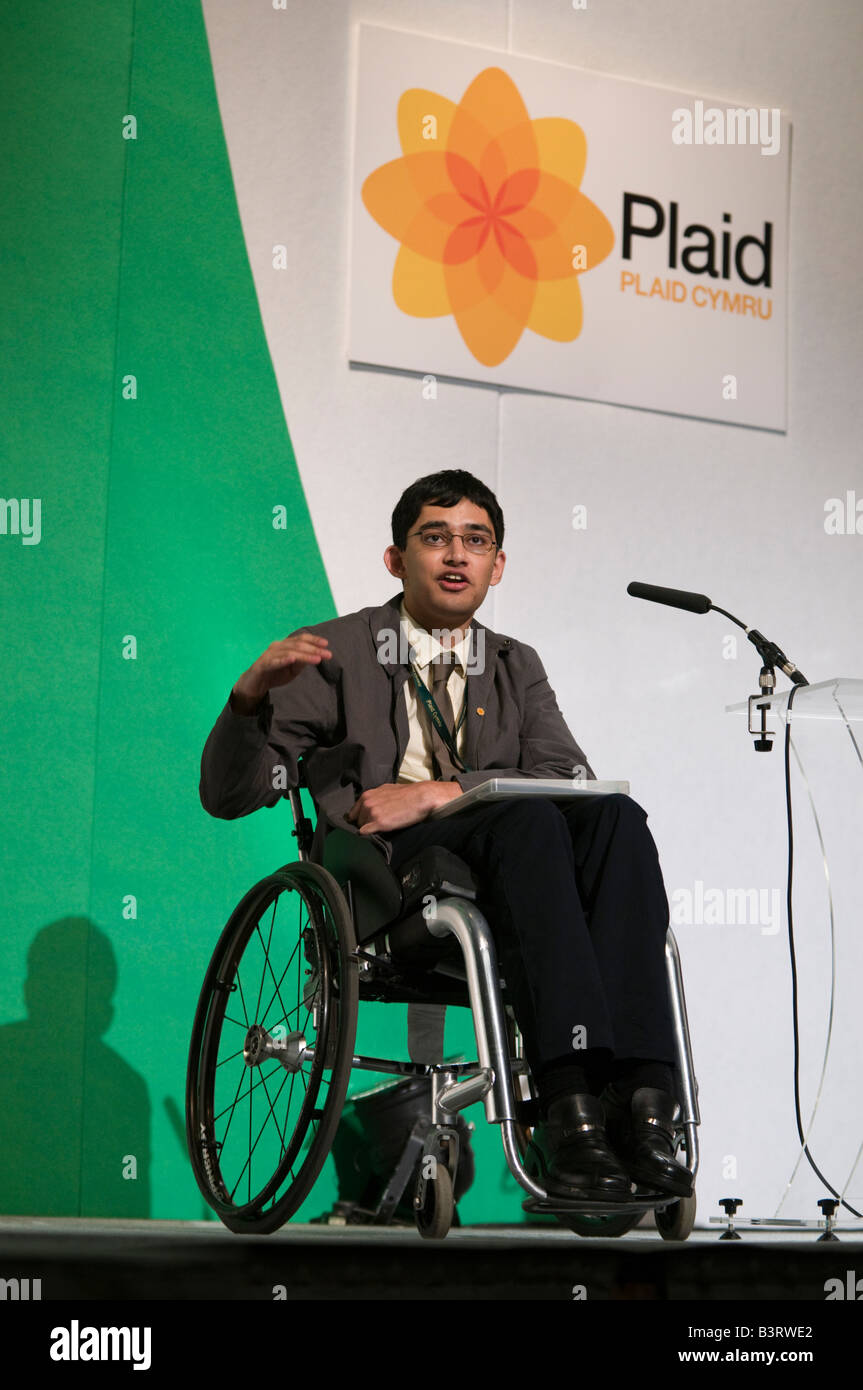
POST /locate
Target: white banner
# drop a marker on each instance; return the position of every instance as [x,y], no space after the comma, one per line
[532,225]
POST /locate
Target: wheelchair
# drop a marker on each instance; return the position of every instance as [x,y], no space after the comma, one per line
[272,1046]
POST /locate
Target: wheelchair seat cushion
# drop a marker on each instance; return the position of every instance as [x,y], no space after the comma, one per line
[436,872]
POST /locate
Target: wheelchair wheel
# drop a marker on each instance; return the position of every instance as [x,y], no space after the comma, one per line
[600,1226]
[675,1222]
[271,1049]
[436,1208]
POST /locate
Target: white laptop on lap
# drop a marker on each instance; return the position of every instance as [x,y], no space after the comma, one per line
[558,788]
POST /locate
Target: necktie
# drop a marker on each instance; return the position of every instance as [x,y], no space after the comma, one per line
[441,668]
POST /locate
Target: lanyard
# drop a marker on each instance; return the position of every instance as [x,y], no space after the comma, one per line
[438,720]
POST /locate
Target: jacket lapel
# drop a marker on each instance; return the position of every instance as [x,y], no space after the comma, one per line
[479,686]
[385,625]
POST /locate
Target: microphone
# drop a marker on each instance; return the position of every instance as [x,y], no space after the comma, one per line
[675,598]
[770,654]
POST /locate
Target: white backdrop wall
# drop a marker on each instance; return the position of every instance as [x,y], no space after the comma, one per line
[732,512]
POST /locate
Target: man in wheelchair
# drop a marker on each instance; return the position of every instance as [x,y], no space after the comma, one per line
[404,707]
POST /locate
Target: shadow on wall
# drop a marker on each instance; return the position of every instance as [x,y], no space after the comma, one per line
[74,1116]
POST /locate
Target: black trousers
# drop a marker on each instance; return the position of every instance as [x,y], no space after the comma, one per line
[574,896]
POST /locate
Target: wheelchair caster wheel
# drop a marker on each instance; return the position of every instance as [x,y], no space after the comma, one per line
[675,1222]
[434,1204]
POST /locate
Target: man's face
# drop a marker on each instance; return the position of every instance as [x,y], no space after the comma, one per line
[432,595]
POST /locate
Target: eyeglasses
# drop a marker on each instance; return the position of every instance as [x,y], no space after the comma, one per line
[473,541]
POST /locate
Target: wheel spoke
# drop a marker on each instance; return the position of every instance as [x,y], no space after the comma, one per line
[242,997]
[272,1106]
[238,1098]
[283,974]
[252,1147]
[275,1023]
[233,1104]
[278,982]
[267,966]
[266,954]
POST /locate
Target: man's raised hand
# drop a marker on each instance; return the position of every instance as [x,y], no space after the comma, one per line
[281,663]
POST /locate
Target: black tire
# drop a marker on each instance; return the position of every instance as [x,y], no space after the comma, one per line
[599,1227]
[675,1222]
[434,1215]
[291,938]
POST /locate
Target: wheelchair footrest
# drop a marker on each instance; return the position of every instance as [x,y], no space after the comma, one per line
[555,1205]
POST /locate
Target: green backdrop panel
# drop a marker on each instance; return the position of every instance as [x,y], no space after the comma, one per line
[64,75]
[141,409]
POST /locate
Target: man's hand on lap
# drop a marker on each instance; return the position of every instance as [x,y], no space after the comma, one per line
[396,805]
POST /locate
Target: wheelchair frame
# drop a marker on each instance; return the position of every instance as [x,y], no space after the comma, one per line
[492,1078]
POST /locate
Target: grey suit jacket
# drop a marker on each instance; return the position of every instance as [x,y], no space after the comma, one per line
[347,718]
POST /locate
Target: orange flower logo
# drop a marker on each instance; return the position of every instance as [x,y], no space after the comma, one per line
[486,205]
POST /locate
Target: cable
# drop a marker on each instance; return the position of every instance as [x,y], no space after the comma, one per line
[805,1146]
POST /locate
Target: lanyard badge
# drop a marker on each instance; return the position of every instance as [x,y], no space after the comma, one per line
[439,722]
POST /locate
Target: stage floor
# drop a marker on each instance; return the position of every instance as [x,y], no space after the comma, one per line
[81,1258]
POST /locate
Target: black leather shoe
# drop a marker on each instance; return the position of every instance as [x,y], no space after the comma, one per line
[570,1154]
[641,1132]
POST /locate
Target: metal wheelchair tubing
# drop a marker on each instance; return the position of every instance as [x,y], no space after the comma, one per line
[467,924]
[691,1117]
[465,921]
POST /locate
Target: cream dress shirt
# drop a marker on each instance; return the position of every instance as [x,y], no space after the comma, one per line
[417,762]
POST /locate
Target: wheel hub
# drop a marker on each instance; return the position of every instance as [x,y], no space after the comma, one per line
[289,1049]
